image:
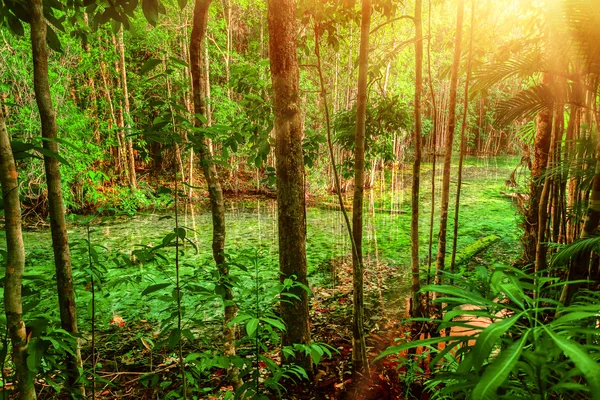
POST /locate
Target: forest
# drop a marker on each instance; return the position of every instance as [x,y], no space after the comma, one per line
[300,199]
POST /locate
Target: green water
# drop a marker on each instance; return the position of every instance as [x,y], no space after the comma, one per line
[252,242]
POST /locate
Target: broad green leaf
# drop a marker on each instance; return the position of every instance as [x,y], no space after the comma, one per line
[154,288]
[496,373]
[52,39]
[275,323]
[150,9]
[15,25]
[52,154]
[251,326]
[488,338]
[149,65]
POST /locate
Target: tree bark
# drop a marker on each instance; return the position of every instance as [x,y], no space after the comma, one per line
[290,171]
[416,308]
[126,116]
[579,267]
[434,136]
[359,355]
[15,265]
[215,192]
[541,148]
[441,255]
[58,226]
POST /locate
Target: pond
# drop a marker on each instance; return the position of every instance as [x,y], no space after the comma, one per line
[252,246]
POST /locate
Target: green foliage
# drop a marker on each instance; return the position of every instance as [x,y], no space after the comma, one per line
[529,343]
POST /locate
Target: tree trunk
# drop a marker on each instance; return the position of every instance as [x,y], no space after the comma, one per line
[541,247]
[416,309]
[463,140]
[290,172]
[15,265]
[215,191]
[434,136]
[441,255]
[126,116]
[359,355]
[541,148]
[579,267]
[58,226]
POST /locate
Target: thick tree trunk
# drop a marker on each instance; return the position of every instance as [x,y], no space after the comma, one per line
[290,171]
[541,148]
[359,355]
[58,226]
[441,255]
[463,139]
[15,265]
[215,191]
[126,116]
[416,308]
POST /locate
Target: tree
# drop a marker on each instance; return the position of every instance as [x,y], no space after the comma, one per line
[15,265]
[215,191]
[463,139]
[441,255]
[359,353]
[58,227]
[127,142]
[414,222]
[290,172]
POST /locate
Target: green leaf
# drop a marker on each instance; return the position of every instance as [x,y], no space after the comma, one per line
[154,288]
[488,338]
[182,3]
[181,232]
[251,326]
[179,61]
[52,39]
[52,154]
[275,323]
[496,373]
[149,65]
[417,343]
[15,25]
[588,367]
[150,8]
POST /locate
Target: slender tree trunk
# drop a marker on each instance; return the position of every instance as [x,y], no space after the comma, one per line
[541,247]
[463,139]
[441,255]
[580,266]
[416,308]
[215,191]
[359,355]
[336,177]
[58,226]
[126,116]
[434,135]
[15,265]
[290,171]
